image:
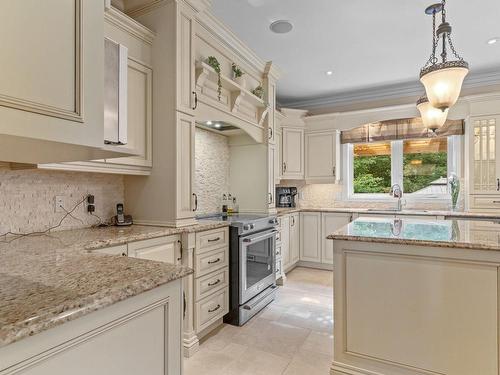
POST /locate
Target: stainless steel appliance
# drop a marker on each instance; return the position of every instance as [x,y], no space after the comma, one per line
[286,196]
[252,273]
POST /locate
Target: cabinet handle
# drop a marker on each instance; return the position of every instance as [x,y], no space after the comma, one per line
[284,167]
[195,100]
[498,184]
[334,171]
[214,283]
[293,221]
[270,133]
[270,198]
[195,202]
[214,261]
[496,202]
[214,239]
[214,309]
[184,304]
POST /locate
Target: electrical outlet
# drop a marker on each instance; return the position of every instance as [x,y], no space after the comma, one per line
[59,203]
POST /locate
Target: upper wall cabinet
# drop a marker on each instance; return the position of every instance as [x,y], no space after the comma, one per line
[133,97]
[293,153]
[484,159]
[322,154]
[50,85]
[186,97]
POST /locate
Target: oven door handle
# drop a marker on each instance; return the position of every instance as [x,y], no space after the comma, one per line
[260,238]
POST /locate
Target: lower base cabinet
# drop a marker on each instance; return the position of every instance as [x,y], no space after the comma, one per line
[141,335]
[310,237]
[331,222]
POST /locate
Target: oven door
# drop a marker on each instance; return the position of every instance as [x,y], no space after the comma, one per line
[257,263]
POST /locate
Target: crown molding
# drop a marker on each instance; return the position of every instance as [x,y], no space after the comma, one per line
[128,24]
[408,89]
[228,39]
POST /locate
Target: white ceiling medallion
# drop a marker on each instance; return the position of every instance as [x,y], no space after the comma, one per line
[281,27]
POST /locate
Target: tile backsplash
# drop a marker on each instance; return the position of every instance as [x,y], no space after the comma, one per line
[27,198]
[211,170]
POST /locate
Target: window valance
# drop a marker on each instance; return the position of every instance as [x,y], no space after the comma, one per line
[392,130]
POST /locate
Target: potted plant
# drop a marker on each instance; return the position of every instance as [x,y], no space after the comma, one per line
[258,91]
[238,75]
[214,63]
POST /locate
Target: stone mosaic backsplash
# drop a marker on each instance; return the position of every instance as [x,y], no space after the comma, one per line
[27,198]
[211,170]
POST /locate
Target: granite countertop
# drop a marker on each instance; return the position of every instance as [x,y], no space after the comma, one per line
[382,211]
[51,279]
[464,234]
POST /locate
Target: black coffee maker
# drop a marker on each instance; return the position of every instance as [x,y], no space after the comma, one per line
[285,197]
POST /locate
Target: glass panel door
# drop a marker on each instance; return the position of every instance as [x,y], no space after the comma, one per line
[485,148]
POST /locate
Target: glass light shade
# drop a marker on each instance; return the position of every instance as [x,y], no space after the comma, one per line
[443,86]
[433,118]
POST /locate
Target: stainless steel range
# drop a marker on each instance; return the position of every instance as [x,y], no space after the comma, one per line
[252,265]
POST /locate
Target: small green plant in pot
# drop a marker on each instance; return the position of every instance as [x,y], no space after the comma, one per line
[214,63]
[258,92]
[238,75]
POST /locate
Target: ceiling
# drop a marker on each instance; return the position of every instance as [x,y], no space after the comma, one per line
[367,44]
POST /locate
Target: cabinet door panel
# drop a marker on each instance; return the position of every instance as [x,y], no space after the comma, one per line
[293,153]
[185,59]
[294,237]
[320,156]
[330,223]
[310,225]
[272,175]
[51,87]
[285,241]
[185,166]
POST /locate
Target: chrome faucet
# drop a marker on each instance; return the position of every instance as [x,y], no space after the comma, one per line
[397,192]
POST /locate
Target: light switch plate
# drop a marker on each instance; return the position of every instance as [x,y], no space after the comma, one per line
[58,202]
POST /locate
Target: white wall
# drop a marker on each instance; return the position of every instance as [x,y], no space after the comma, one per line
[27,198]
[211,170]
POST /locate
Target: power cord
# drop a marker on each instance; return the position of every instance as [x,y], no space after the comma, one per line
[68,213]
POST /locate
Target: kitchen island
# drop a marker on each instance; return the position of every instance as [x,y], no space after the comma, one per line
[416,297]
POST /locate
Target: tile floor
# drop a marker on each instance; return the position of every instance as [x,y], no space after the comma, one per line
[291,336]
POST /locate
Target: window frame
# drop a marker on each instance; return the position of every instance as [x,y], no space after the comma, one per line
[454,152]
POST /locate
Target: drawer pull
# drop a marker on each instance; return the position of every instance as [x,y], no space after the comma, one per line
[214,261]
[496,202]
[214,309]
[214,239]
[214,283]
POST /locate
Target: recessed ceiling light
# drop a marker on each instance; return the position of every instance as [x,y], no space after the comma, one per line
[281,27]
[329,73]
[217,126]
[209,122]
[493,40]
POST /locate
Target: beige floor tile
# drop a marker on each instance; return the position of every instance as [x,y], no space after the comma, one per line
[293,335]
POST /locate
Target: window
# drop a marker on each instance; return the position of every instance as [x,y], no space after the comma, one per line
[420,166]
[372,168]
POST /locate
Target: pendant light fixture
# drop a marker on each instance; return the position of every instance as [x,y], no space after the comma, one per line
[432,118]
[443,79]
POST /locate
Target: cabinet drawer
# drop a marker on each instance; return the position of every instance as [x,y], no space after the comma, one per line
[485,202]
[210,309]
[211,261]
[208,284]
[114,250]
[162,249]
[211,239]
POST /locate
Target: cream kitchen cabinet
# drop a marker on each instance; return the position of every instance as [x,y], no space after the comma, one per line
[310,237]
[271,179]
[278,160]
[294,238]
[484,167]
[322,156]
[187,200]
[331,222]
[293,153]
[51,97]
[162,249]
[137,39]
[285,242]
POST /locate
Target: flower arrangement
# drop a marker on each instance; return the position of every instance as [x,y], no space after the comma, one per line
[214,63]
[454,184]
